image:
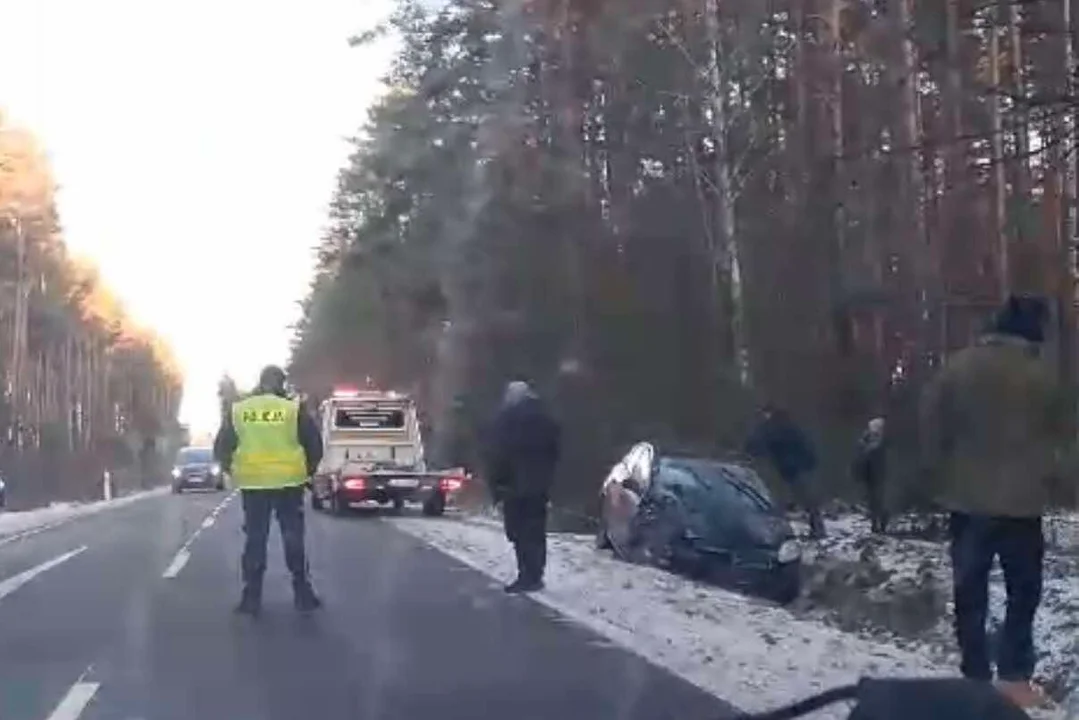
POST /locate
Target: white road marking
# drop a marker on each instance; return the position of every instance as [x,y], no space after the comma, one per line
[31,532]
[14,583]
[184,553]
[76,700]
[177,563]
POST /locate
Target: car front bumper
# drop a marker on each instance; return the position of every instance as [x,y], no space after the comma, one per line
[197,482]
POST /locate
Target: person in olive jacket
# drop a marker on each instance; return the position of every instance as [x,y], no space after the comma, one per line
[991,426]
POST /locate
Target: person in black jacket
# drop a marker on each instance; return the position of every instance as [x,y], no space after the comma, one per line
[523,455]
[778,438]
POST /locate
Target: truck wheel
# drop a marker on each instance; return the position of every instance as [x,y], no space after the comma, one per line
[435,505]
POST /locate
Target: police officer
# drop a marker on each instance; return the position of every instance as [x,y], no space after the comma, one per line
[271,446]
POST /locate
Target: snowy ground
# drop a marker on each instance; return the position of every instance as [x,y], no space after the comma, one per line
[17,523]
[871,607]
[747,652]
[899,589]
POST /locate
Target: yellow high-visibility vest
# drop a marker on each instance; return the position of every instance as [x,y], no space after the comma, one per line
[269,455]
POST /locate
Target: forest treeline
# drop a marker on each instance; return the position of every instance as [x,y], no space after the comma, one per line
[667,211]
[85,388]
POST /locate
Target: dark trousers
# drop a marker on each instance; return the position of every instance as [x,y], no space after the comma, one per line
[1020,545]
[874,492]
[525,520]
[805,496]
[259,506]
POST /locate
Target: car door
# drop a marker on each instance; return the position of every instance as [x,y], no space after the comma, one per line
[626,484]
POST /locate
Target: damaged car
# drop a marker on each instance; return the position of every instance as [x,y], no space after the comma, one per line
[710,519]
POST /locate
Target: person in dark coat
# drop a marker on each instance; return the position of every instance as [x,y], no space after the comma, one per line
[992,421]
[523,455]
[869,471]
[779,439]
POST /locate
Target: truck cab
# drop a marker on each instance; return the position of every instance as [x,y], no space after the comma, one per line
[373,453]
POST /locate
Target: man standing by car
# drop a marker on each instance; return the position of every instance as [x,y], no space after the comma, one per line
[778,438]
[990,427]
[523,455]
[870,466]
[271,446]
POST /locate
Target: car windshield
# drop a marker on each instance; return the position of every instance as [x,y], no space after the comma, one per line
[724,477]
[195,456]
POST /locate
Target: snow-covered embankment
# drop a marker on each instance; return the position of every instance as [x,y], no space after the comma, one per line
[747,652]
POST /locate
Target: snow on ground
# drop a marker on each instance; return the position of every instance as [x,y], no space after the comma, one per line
[747,652]
[14,523]
[899,588]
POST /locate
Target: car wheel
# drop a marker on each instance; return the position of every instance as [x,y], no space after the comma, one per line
[602,541]
[176,490]
[435,505]
[316,501]
[785,584]
[398,505]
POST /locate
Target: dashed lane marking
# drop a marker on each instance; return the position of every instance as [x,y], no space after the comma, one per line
[76,700]
[14,583]
[184,553]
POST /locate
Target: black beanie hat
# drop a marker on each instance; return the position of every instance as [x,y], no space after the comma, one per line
[1023,316]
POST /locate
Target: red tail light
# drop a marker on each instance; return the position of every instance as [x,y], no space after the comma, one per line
[451,484]
[355,483]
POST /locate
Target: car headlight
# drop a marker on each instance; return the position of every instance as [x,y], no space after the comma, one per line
[176,472]
[789,551]
[215,469]
[2,485]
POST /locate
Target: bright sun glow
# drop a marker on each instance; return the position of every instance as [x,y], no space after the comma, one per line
[196,145]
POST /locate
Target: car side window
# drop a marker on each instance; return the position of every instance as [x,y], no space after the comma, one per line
[681,485]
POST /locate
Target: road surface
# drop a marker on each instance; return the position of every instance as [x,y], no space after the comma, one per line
[126,615]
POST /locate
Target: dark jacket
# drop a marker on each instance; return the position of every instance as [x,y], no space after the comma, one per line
[780,440]
[307,433]
[524,450]
[869,461]
[991,425]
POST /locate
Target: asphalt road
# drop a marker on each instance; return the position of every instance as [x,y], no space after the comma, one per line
[126,615]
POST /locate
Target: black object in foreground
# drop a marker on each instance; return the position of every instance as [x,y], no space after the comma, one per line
[925,699]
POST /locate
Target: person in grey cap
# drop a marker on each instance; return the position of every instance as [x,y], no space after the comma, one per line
[524,452]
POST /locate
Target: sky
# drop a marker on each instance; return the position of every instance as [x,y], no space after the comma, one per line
[196,145]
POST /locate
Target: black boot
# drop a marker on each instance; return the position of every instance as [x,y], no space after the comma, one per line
[529,575]
[524,585]
[250,602]
[304,597]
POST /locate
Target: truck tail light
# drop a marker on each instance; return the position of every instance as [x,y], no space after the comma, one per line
[355,483]
[451,484]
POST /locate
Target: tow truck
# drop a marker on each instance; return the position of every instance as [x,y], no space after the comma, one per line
[373,453]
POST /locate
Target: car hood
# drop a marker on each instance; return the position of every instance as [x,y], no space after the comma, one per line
[729,528]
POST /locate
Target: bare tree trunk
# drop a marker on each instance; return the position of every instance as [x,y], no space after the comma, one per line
[996,141]
[1021,164]
[726,259]
[918,258]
